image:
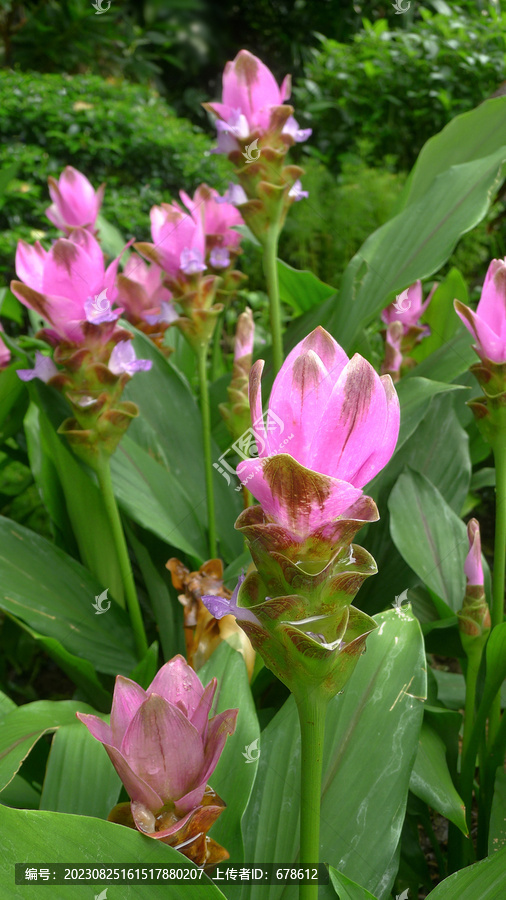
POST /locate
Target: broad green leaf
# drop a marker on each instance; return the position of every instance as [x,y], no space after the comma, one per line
[80,777]
[40,837]
[467,137]
[13,401]
[10,307]
[497,827]
[167,610]
[430,537]
[22,728]
[19,794]
[415,395]
[6,705]
[347,889]
[301,289]
[437,449]
[53,463]
[381,708]
[111,239]
[78,669]
[415,243]
[169,428]
[431,779]
[153,497]
[448,362]
[54,595]
[234,775]
[441,316]
[485,880]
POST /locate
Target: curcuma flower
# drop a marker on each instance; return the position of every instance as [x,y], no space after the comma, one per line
[488,323]
[75,204]
[236,411]
[404,330]
[474,617]
[164,747]
[339,422]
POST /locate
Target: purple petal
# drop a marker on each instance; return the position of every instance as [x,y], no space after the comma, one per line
[123,360]
[296,191]
[192,261]
[44,369]
[473,566]
[220,258]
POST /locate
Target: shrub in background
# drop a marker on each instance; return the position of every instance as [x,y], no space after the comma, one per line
[397,87]
[112,131]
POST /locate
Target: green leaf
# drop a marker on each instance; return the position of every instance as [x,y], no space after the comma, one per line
[347,889]
[169,428]
[301,289]
[54,594]
[154,498]
[111,239]
[415,395]
[41,837]
[485,880]
[431,539]
[76,762]
[415,243]
[431,779]
[467,137]
[80,499]
[381,708]
[22,728]
[497,827]
[234,776]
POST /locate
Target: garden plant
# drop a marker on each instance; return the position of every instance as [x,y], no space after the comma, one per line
[252,554]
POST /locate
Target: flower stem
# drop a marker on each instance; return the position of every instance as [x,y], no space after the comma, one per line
[270,262]
[497,611]
[473,666]
[206,435]
[312,710]
[103,470]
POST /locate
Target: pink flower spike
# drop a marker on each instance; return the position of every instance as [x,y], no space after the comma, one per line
[473,566]
[244,335]
[44,369]
[488,323]
[75,202]
[161,741]
[123,360]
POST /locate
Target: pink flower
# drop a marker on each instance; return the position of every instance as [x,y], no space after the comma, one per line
[250,97]
[473,567]
[339,422]
[245,335]
[179,240]
[5,353]
[408,307]
[217,215]
[162,743]
[142,294]
[75,202]
[488,323]
[67,285]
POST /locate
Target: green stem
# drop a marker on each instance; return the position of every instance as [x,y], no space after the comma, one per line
[206,436]
[312,709]
[497,611]
[215,353]
[103,471]
[473,666]
[270,261]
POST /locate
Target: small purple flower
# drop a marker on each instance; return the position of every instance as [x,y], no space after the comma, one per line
[235,194]
[220,258]
[192,261]
[291,127]
[44,369]
[124,360]
[167,314]
[296,191]
[224,606]
[98,309]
